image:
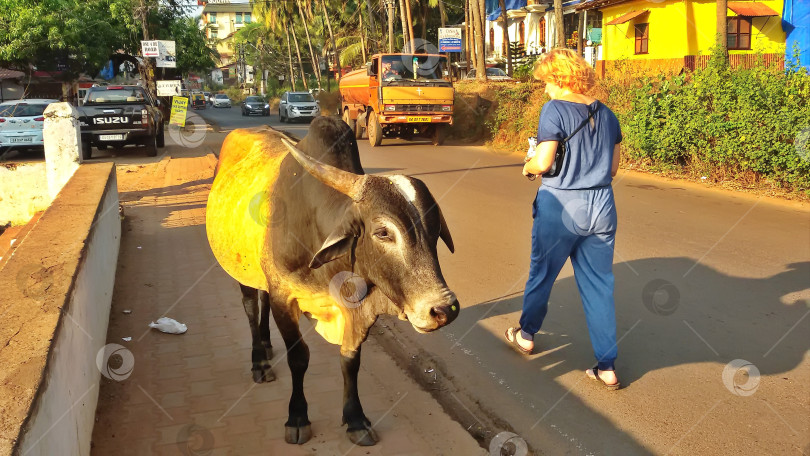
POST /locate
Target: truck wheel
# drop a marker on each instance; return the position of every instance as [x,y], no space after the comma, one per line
[374,130]
[352,123]
[161,138]
[151,147]
[87,149]
[438,135]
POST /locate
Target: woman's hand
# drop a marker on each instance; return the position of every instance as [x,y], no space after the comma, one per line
[542,160]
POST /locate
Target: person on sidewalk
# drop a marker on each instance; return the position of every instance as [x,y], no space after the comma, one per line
[574,212]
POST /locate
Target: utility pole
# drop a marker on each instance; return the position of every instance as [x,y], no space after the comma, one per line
[391,11]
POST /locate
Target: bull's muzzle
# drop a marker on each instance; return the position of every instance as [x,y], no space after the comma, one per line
[445,314]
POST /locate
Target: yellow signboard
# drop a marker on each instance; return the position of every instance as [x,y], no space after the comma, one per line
[179,110]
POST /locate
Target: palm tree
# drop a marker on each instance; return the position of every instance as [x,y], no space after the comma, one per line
[558,24]
[277,17]
[406,38]
[480,63]
[506,45]
[313,57]
[331,37]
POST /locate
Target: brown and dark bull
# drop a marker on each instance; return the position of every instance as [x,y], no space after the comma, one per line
[305,231]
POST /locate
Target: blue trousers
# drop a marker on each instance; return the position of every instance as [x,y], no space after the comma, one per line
[581,225]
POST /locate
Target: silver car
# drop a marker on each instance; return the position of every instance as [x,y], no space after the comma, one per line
[221,101]
[298,105]
[21,123]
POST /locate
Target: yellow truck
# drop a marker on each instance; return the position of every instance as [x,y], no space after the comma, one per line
[398,96]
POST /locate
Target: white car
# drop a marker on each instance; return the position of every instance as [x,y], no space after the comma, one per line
[493,74]
[21,123]
[221,101]
[297,105]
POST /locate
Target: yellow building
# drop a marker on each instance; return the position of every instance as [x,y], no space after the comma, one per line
[221,21]
[668,35]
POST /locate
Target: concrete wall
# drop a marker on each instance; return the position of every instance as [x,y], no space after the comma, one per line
[23,192]
[57,291]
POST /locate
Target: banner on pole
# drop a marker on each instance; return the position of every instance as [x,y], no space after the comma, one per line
[167,57]
[179,110]
[168,88]
[150,48]
[449,39]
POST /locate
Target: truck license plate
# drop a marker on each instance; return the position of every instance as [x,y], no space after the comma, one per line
[22,139]
[418,119]
[111,137]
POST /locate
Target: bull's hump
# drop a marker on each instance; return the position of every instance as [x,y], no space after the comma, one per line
[239,207]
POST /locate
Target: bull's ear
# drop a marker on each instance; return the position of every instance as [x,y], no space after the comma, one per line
[444,233]
[340,242]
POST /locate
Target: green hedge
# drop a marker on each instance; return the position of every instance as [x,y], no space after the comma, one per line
[739,123]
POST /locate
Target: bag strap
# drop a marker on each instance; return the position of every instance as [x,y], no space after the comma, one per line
[584,122]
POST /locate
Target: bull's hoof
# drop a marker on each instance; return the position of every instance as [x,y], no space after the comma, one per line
[262,372]
[363,437]
[298,435]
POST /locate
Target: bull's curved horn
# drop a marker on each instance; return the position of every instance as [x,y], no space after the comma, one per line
[349,184]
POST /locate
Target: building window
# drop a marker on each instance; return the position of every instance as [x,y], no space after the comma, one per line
[491,39]
[212,18]
[247,18]
[541,31]
[522,33]
[739,33]
[642,38]
[212,32]
[594,20]
[225,73]
[238,18]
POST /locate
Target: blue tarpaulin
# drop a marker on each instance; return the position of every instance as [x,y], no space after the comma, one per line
[796,24]
[494,7]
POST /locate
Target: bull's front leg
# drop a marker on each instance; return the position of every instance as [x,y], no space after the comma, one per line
[360,431]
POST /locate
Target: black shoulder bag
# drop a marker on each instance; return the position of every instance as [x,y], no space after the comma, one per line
[556,165]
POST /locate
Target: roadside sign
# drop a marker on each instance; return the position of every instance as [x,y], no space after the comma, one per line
[150,48]
[167,57]
[168,88]
[449,39]
[179,109]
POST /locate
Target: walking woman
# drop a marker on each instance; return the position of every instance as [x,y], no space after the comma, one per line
[574,212]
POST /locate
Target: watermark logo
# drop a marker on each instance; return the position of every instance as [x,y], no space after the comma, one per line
[576,217]
[661,297]
[802,144]
[422,65]
[741,377]
[508,444]
[115,362]
[263,213]
[33,281]
[348,289]
[193,134]
[195,440]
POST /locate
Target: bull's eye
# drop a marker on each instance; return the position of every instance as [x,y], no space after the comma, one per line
[383,234]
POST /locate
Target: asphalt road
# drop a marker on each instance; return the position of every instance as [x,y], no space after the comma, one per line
[704,278]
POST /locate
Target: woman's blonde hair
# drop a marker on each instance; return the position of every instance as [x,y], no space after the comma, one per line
[564,68]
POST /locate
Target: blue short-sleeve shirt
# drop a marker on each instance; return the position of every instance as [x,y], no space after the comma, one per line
[589,154]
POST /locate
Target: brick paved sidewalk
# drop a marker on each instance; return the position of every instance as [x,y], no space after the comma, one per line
[192,394]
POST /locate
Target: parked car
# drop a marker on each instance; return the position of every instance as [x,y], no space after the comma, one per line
[493,74]
[297,105]
[117,116]
[221,101]
[21,123]
[198,101]
[255,105]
